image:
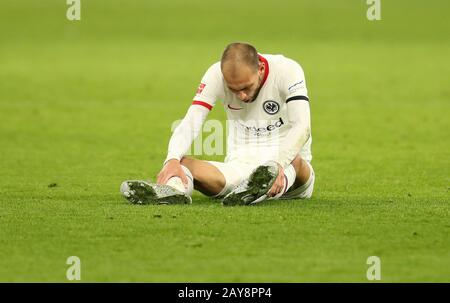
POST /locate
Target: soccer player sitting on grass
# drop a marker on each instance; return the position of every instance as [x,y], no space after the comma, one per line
[269,147]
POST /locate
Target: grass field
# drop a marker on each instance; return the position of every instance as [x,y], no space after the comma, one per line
[87,104]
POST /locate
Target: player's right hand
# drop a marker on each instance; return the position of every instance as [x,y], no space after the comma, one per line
[278,185]
[172,168]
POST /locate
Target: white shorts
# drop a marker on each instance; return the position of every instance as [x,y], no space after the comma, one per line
[235,173]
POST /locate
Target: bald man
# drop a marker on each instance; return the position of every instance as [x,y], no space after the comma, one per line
[269,145]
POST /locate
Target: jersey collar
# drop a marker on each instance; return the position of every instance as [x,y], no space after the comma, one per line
[266,68]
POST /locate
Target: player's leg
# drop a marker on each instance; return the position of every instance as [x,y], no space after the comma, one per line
[299,183]
[208,179]
[211,178]
[200,174]
[302,172]
[300,179]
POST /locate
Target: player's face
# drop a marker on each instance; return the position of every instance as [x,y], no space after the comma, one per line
[246,83]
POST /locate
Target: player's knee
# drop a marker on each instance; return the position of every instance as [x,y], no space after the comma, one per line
[298,162]
[189,163]
[200,176]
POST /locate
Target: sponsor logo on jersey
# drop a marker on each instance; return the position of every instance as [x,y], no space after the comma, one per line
[200,88]
[271,107]
[262,131]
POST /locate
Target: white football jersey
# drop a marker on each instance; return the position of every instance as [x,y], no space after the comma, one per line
[256,129]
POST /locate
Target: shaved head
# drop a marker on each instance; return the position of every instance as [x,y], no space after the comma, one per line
[238,54]
[242,70]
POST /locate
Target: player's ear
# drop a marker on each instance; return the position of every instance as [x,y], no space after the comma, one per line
[261,68]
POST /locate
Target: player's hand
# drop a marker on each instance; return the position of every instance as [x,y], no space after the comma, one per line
[171,169]
[278,185]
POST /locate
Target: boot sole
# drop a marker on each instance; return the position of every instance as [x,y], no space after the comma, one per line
[260,181]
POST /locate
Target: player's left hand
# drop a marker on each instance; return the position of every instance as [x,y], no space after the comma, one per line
[278,185]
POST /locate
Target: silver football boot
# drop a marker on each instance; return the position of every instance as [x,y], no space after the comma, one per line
[255,188]
[142,192]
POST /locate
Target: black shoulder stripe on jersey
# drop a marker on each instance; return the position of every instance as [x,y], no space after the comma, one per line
[297,98]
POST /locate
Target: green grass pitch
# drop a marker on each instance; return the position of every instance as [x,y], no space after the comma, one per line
[87,104]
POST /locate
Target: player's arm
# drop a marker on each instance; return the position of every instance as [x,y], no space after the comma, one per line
[299,119]
[297,103]
[180,141]
[191,125]
[298,110]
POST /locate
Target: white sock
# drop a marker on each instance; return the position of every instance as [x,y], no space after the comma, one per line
[178,184]
[290,175]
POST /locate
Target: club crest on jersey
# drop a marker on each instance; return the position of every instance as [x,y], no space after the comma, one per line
[271,107]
